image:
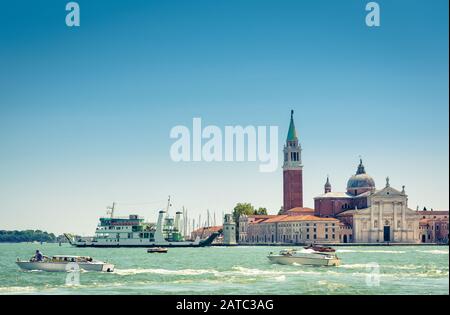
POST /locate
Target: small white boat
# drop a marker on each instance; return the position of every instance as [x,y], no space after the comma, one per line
[62,263]
[305,257]
[160,250]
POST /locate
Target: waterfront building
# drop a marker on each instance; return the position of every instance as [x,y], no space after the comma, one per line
[359,187]
[374,216]
[294,229]
[361,214]
[386,219]
[433,226]
[245,221]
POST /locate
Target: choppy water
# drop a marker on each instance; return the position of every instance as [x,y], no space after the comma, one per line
[233,270]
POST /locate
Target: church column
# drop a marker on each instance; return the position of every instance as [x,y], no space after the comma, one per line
[395,221]
[372,223]
[355,233]
[380,222]
[403,222]
[372,233]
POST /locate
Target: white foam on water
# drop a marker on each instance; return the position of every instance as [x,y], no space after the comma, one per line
[435,252]
[16,290]
[371,251]
[353,266]
[364,266]
[181,272]
[346,251]
[402,267]
[333,286]
[272,273]
[280,278]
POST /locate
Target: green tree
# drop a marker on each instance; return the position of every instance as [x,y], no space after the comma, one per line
[242,208]
[261,210]
[26,236]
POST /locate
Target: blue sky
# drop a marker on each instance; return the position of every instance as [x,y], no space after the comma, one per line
[85,113]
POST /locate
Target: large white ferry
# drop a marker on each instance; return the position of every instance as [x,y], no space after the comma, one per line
[132,231]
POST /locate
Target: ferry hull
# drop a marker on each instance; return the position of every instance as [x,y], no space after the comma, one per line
[312,261]
[134,245]
[142,243]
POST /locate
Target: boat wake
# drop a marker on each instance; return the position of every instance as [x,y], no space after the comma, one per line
[181,272]
[370,251]
[435,252]
[235,271]
[17,290]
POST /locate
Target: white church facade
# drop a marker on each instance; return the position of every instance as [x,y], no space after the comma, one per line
[387,219]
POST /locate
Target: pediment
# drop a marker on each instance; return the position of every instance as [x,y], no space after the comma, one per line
[388,192]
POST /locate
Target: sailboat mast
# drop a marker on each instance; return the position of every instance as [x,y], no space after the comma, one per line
[168,205]
[111,212]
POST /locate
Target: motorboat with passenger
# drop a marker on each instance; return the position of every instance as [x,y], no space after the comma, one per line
[305,257]
[65,263]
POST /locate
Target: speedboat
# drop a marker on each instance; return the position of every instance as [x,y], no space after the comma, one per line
[65,263]
[305,257]
[160,250]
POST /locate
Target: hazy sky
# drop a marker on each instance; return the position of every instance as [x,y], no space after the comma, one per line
[85,113]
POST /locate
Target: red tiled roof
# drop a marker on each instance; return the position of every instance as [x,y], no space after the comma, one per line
[307,218]
[291,218]
[262,216]
[434,212]
[276,218]
[301,209]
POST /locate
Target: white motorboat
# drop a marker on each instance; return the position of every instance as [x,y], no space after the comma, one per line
[305,257]
[65,263]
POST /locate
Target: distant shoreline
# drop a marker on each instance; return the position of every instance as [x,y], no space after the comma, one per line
[339,244]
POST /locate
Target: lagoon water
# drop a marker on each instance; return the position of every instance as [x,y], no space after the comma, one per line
[233,270]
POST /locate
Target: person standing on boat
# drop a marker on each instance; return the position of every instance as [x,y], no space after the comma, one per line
[38,256]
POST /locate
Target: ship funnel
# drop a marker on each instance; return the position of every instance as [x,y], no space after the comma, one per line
[159,236]
[177,221]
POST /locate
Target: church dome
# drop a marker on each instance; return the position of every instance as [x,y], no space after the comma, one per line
[360,182]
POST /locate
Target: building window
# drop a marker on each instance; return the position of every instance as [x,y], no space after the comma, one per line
[315,236]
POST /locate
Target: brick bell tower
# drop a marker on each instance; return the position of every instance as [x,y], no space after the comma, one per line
[292,170]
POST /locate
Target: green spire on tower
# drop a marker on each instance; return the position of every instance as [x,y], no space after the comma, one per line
[292,133]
